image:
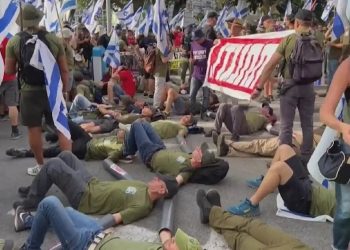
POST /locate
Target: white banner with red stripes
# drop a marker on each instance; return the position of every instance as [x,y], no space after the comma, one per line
[235,64]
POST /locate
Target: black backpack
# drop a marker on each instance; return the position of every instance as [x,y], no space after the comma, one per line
[27,73]
[209,174]
[306,60]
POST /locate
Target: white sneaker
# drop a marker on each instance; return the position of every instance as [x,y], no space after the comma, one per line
[34,170]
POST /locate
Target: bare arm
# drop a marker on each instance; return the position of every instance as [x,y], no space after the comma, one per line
[117,218]
[10,66]
[62,63]
[337,88]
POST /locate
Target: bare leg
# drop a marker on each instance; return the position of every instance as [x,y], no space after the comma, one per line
[110,93]
[283,153]
[65,144]
[36,144]
[13,114]
[171,97]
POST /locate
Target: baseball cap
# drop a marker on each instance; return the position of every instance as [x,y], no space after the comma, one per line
[186,242]
[212,14]
[207,156]
[198,34]
[170,183]
[304,15]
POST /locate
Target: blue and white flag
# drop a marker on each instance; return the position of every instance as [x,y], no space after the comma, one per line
[44,60]
[204,20]
[242,8]
[341,22]
[51,18]
[135,19]
[288,9]
[221,23]
[308,5]
[68,5]
[8,14]
[327,10]
[36,3]
[178,20]
[87,13]
[160,26]
[112,53]
[92,20]
[126,14]
[145,21]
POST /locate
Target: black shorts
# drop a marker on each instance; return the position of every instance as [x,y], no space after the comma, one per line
[296,193]
[106,125]
[149,76]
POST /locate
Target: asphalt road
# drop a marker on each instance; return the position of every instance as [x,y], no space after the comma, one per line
[232,190]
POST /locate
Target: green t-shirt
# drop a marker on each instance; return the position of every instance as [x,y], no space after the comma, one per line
[128,118]
[168,129]
[286,47]
[69,57]
[160,67]
[256,121]
[322,202]
[171,163]
[104,147]
[129,198]
[115,243]
[13,52]
[335,53]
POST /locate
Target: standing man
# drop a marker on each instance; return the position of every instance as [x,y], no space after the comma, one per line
[236,26]
[9,91]
[160,71]
[209,29]
[296,95]
[34,100]
[200,49]
[67,35]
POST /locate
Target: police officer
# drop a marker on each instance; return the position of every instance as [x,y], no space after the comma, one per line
[299,96]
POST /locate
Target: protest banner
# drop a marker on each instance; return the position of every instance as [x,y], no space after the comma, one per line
[235,64]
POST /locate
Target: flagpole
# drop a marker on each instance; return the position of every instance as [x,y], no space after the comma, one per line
[109,17]
[59,18]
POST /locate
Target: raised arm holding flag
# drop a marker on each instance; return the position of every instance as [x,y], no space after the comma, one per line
[126,14]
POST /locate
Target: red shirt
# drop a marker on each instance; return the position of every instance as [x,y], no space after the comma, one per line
[178,39]
[127,82]
[7,77]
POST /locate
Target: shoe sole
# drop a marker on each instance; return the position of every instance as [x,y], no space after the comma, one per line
[213,193]
[16,219]
[201,215]
[215,137]
[15,137]
[221,140]
[252,186]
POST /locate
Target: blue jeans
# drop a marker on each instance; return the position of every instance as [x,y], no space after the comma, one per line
[80,102]
[118,91]
[195,86]
[332,68]
[144,139]
[341,226]
[74,229]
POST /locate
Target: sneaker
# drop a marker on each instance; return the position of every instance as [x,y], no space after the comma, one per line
[23,191]
[213,197]
[23,219]
[17,152]
[245,208]
[204,206]
[6,244]
[222,148]
[126,159]
[255,183]
[215,136]
[15,135]
[34,170]
[204,117]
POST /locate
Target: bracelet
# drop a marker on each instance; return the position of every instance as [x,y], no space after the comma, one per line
[258,89]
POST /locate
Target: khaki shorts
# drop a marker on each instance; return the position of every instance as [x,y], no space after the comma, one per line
[10,92]
[35,105]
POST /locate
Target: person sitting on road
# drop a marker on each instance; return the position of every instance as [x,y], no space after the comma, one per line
[262,147]
[288,174]
[127,200]
[78,231]
[153,153]
[240,232]
[239,122]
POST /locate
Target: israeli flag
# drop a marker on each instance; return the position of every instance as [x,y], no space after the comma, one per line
[221,24]
[68,5]
[160,26]
[36,3]
[126,14]
[112,53]
[8,14]
[310,5]
[92,20]
[242,8]
[177,20]
[341,22]
[204,20]
[44,60]
[135,19]
[288,9]
[51,19]
[327,10]
[87,14]
[145,20]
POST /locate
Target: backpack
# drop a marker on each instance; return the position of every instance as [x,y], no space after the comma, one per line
[306,60]
[27,73]
[149,62]
[209,174]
